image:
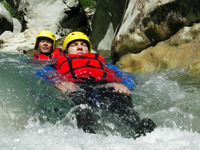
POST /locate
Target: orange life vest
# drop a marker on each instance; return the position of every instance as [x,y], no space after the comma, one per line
[85,68]
[55,54]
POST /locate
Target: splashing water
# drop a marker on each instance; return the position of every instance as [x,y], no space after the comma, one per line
[35,115]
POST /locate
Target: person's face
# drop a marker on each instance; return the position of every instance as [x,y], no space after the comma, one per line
[45,45]
[78,47]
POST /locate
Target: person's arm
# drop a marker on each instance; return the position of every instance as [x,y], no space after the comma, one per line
[119,87]
[127,79]
[67,87]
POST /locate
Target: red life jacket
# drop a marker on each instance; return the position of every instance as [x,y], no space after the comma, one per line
[85,68]
[55,54]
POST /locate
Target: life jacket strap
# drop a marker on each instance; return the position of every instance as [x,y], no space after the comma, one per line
[70,67]
[72,70]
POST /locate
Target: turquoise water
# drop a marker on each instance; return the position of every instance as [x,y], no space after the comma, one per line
[35,115]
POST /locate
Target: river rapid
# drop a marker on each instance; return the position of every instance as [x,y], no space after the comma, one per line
[29,118]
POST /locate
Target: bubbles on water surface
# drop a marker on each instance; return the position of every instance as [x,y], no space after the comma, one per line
[29,120]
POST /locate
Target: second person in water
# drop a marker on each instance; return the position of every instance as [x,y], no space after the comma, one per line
[45,45]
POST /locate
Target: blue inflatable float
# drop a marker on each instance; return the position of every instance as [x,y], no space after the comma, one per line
[50,74]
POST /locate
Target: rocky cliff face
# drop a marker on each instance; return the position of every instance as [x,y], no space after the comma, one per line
[145,34]
[147,22]
[158,34]
[59,16]
[107,16]
[179,51]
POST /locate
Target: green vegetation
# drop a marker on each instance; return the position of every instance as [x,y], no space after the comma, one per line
[12,11]
[88,3]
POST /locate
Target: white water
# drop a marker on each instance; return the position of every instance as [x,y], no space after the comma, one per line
[170,98]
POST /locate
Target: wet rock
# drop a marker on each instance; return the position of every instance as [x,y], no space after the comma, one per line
[146,23]
[181,50]
[22,42]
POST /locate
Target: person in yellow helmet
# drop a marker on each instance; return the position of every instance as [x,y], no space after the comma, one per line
[45,44]
[76,36]
[87,80]
[78,43]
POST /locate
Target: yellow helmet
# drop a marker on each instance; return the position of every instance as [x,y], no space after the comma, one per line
[47,34]
[76,36]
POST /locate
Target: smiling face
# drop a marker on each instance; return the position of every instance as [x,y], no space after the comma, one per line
[78,47]
[45,45]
